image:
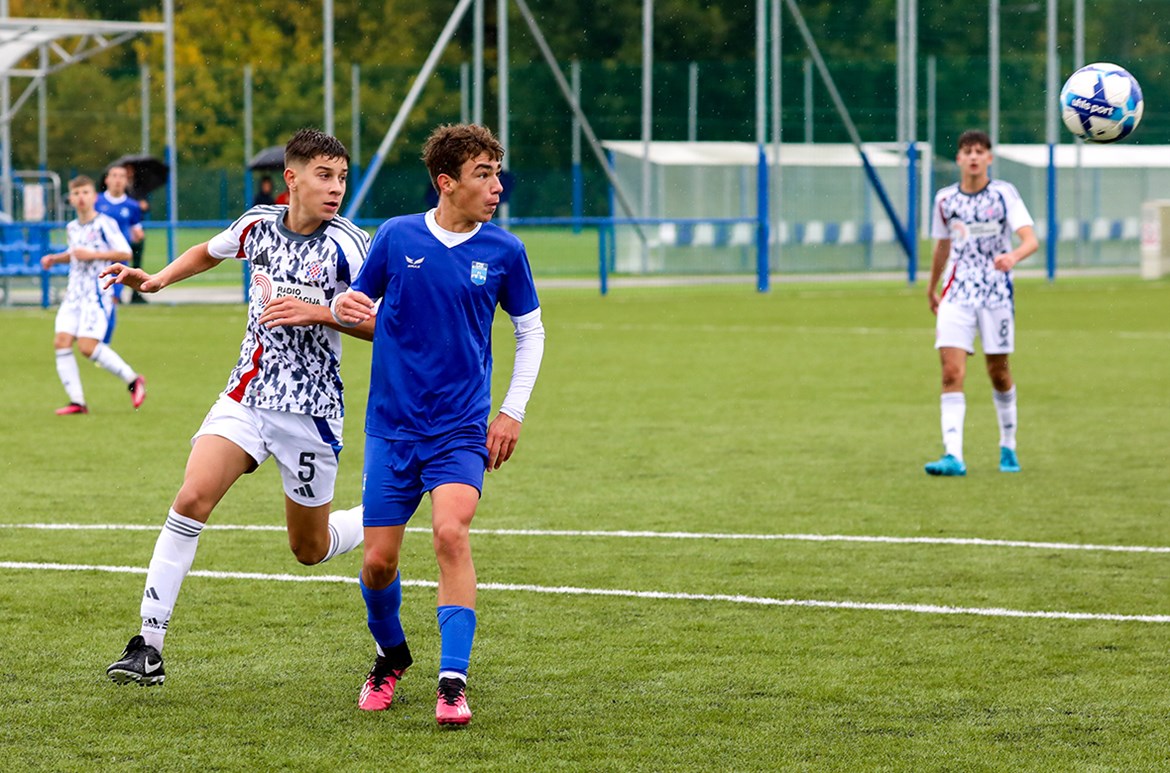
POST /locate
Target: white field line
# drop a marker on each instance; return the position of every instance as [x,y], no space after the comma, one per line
[673,535]
[918,332]
[924,609]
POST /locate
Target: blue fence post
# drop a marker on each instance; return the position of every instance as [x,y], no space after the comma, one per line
[172,222]
[603,258]
[912,213]
[1053,226]
[762,274]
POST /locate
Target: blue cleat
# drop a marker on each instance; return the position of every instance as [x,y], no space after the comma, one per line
[1007,460]
[948,466]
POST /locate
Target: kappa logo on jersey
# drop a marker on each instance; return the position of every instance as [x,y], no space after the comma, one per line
[478,272]
[262,288]
[414,262]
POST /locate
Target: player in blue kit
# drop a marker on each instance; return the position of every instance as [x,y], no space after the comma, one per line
[973,221]
[283,399]
[124,208]
[439,277]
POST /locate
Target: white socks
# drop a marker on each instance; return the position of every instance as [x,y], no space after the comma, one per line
[109,359]
[954,410]
[345,531]
[70,376]
[1005,410]
[173,553]
[102,355]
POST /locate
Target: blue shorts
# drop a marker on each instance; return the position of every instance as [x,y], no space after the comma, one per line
[398,472]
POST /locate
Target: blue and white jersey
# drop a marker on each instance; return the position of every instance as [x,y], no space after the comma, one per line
[980,226]
[124,209]
[292,369]
[432,361]
[100,234]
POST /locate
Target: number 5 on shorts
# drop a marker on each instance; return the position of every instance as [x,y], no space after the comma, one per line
[308,471]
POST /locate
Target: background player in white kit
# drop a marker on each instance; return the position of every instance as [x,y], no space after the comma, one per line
[973,221]
[95,240]
[284,396]
[440,276]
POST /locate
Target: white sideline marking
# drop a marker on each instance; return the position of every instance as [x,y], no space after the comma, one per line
[658,327]
[924,609]
[624,534]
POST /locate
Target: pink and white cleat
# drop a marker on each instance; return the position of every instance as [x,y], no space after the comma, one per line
[71,409]
[452,708]
[137,391]
[378,691]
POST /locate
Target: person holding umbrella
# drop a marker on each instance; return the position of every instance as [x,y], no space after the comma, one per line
[118,204]
[143,175]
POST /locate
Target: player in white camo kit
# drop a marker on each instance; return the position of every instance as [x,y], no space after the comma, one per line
[973,221]
[86,314]
[284,396]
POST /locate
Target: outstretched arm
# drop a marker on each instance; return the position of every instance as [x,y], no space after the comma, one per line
[194,261]
[288,311]
[82,253]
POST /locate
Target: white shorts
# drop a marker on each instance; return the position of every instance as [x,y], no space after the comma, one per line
[957,325]
[305,447]
[85,319]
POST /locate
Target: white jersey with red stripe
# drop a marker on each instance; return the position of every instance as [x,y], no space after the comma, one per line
[293,369]
[100,234]
[980,226]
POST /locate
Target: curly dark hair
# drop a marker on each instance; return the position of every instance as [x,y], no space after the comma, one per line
[451,145]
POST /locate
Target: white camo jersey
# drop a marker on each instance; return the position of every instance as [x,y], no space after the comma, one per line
[292,369]
[980,227]
[101,234]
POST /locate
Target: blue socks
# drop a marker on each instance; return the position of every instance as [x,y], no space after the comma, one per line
[382,608]
[456,626]
[457,629]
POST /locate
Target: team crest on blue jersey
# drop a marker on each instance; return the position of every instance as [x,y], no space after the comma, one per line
[478,272]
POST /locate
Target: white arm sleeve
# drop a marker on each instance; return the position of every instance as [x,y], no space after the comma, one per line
[529,352]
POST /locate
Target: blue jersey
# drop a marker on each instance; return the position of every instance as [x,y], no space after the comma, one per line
[432,360]
[124,209]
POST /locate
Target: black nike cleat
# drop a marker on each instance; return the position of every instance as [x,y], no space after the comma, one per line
[140,663]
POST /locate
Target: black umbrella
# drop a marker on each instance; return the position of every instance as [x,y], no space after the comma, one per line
[270,158]
[149,173]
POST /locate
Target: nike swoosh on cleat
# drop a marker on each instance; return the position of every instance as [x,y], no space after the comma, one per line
[149,667]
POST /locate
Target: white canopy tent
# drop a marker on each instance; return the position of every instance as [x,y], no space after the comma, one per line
[61,43]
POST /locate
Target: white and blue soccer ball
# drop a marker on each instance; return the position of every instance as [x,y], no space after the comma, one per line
[1101,102]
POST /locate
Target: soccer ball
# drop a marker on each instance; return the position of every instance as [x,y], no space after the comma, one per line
[1101,103]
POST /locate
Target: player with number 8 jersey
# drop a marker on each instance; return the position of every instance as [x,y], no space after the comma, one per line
[973,221]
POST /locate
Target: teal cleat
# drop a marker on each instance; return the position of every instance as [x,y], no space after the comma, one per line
[1007,460]
[948,466]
